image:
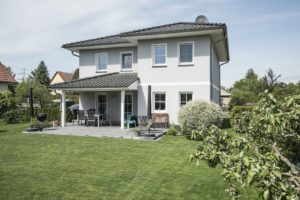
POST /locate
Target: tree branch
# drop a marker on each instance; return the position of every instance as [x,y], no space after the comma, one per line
[285,160]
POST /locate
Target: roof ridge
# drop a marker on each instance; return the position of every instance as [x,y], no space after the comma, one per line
[169,24]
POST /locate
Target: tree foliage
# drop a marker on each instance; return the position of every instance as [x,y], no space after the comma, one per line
[41,74]
[262,157]
[247,89]
[7,101]
[41,93]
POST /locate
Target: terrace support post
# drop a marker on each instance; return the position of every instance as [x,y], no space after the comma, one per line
[122,108]
[63,109]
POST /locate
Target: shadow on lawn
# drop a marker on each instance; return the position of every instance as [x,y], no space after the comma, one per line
[3,131]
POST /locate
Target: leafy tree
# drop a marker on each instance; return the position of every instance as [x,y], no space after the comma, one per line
[263,157]
[76,74]
[41,74]
[271,80]
[246,90]
[41,93]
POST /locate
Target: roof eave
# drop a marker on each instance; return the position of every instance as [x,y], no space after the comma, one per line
[105,46]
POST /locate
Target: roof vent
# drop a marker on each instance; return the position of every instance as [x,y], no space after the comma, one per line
[201,19]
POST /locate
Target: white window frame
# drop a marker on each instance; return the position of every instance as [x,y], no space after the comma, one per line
[121,60]
[193,53]
[153,55]
[185,92]
[97,102]
[97,61]
[153,102]
[129,93]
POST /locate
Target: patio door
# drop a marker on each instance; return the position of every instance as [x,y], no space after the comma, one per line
[128,104]
[102,104]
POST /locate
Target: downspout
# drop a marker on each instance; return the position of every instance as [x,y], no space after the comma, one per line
[211,53]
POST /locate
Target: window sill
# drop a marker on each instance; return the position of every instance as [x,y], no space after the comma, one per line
[126,70]
[157,66]
[101,71]
[185,64]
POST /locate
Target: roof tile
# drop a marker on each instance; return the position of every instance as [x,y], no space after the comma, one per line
[109,80]
[5,77]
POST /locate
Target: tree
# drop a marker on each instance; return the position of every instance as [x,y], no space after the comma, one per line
[7,101]
[264,156]
[41,74]
[246,90]
[41,93]
[271,80]
[76,74]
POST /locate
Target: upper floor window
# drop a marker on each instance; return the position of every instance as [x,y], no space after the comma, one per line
[101,61]
[160,101]
[159,54]
[186,53]
[185,97]
[126,60]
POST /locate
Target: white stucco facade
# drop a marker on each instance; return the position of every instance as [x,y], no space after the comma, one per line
[202,78]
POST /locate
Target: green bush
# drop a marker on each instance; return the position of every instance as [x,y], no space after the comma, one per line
[7,102]
[240,118]
[173,130]
[14,116]
[196,115]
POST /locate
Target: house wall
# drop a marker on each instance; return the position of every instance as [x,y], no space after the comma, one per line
[215,78]
[3,86]
[87,60]
[57,79]
[173,78]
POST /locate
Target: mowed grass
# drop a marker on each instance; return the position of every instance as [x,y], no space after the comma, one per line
[34,166]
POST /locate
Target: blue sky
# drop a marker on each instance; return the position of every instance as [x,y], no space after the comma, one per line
[262,34]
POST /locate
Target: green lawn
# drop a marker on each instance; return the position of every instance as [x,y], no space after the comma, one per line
[70,167]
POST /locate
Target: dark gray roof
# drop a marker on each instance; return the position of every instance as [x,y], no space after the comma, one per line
[174,28]
[112,39]
[167,28]
[109,80]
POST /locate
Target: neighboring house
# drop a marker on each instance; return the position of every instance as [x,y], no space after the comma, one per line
[151,70]
[225,98]
[60,77]
[5,78]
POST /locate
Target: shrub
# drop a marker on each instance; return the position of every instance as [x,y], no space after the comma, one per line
[7,102]
[173,130]
[240,118]
[14,116]
[196,115]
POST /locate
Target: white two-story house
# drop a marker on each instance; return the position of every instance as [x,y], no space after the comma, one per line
[151,70]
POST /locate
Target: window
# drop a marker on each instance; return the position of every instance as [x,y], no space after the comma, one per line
[159,54]
[185,97]
[128,104]
[126,60]
[186,52]
[101,61]
[102,104]
[159,101]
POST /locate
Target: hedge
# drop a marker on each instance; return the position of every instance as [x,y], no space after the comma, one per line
[52,114]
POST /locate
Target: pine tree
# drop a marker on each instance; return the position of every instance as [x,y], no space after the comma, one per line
[41,74]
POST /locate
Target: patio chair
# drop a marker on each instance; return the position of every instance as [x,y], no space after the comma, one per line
[92,110]
[105,118]
[128,121]
[90,119]
[80,117]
